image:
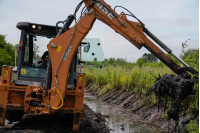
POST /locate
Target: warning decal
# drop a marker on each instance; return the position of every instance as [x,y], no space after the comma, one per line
[59,48]
[23,71]
[80,79]
[6,73]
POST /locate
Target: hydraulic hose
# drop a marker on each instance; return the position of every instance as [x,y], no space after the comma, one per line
[66,24]
[61,100]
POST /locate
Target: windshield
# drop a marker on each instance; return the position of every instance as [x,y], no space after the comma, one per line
[92,54]
[34,63]
[32,72]
[35,48]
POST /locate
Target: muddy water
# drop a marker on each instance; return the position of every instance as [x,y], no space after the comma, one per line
[120,120]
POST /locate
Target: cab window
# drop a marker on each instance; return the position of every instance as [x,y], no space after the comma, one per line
[32,66]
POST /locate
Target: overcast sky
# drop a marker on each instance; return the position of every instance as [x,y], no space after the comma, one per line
[172,21]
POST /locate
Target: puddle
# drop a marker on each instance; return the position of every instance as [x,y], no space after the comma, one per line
[7,122]
[120,120]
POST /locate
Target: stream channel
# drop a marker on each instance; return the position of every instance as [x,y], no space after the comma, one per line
[119,120]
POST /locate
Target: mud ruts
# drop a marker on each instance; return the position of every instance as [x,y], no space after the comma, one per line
[91,122]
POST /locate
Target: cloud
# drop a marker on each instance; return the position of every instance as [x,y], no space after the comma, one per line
[190,34]
[2,16]
[178,35]
[183,22]
[171,23]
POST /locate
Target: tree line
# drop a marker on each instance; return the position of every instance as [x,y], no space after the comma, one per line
[7,52]
[189,56]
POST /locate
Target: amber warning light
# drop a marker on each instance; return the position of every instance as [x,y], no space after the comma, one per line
[20,44]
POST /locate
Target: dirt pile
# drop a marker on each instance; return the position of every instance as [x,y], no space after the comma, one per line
[91,122]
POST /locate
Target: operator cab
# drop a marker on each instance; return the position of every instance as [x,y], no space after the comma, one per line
[34,39]
[33,44]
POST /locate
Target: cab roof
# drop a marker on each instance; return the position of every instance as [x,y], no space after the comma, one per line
[38,29]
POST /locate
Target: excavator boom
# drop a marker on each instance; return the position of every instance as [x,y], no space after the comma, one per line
[99,9]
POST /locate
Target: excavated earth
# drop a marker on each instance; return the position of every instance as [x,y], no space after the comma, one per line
[142,107]
[91,122]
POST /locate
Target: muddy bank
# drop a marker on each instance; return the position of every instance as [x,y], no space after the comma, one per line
[120,120]
[91,122]
[144,108]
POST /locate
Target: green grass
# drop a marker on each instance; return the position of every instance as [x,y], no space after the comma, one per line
[192,127]
[138,78]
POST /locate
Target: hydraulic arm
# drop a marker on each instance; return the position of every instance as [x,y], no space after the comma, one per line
[68,42]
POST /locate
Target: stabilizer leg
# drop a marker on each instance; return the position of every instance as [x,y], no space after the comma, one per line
[2,116]
[76,122]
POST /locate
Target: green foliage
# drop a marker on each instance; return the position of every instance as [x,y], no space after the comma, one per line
[194,100]
[150,57]
[142,61]
[173,58]
[116,62]
[5,58]
[191,53]
[7,52]
[157,64]
[135,79]
[7,46]
[36,57]
[2,41]
[193,127]
[96,64]
[184,45]
[191,56]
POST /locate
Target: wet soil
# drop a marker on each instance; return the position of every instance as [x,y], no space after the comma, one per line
[120,120]
[142,107]
[91,122]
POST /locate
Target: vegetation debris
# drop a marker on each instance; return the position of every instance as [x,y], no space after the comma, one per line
[174,90]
